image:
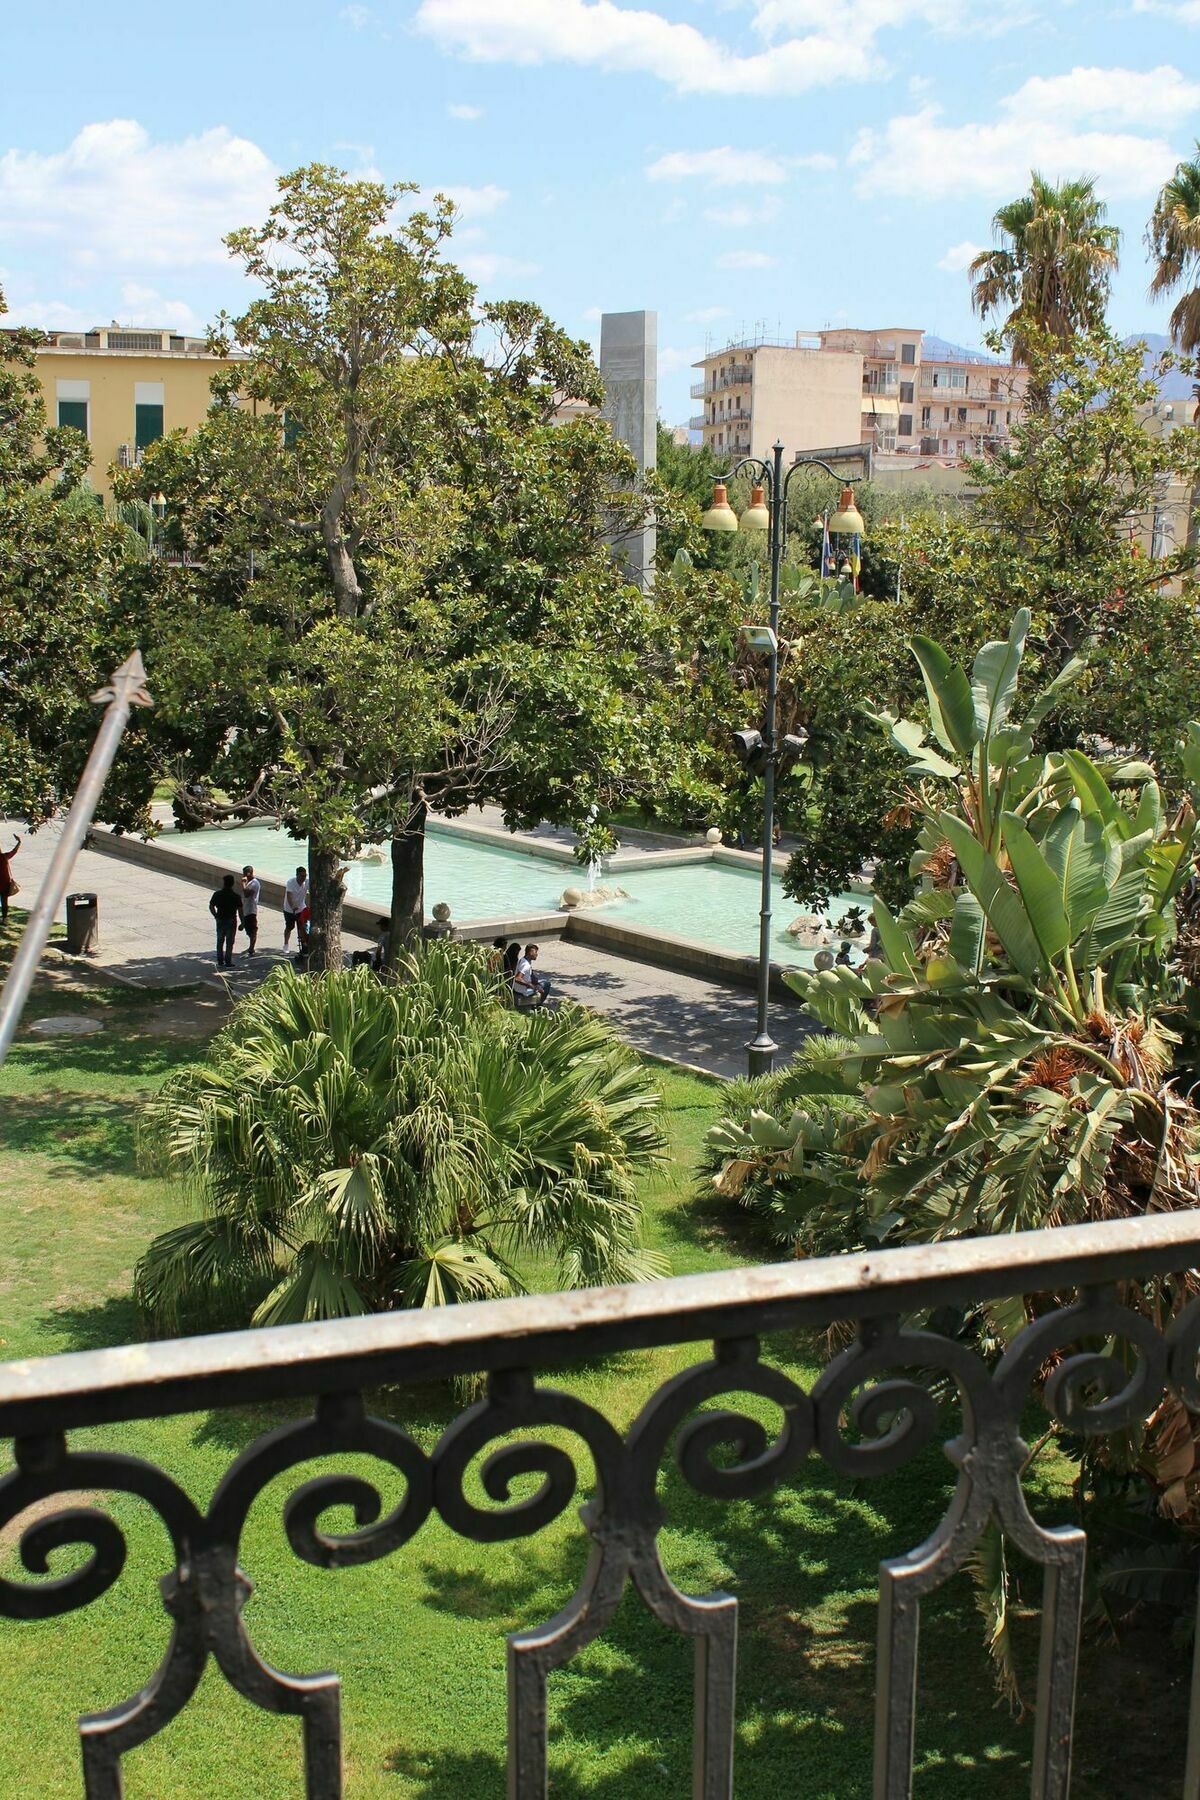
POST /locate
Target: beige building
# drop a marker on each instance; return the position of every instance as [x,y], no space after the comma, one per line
[123,387]
[883,388]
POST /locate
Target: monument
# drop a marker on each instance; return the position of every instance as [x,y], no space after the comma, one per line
[629,371]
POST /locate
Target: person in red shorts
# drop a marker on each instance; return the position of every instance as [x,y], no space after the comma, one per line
[8,886]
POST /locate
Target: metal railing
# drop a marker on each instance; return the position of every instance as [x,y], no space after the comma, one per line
[871,1412]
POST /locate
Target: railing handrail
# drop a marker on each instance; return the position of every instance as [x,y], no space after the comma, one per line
[137,1381]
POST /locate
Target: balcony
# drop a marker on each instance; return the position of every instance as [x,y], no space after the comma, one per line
[871,386]
[738,375]
[879,1405]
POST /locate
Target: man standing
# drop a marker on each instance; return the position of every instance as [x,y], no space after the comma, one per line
[295,902]
[251,890]
[226,908]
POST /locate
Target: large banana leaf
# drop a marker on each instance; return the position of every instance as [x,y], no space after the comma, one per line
[1004,908]
[994,676]
[949,694]
[1039,888]
[1075,852]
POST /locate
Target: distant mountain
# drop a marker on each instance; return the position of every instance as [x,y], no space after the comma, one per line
[1173,385]
[938,349]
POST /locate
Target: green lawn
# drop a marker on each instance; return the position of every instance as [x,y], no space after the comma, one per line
[419,1638]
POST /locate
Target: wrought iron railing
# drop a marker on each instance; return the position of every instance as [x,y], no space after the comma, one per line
[872,1411]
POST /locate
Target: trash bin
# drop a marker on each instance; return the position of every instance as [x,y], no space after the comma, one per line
[83,923]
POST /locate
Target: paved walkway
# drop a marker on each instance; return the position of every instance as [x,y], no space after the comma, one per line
[155,932]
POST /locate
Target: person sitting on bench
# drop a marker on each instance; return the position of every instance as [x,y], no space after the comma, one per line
[529,989]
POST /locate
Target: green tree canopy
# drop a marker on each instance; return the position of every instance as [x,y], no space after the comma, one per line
[63,624]
[397,594]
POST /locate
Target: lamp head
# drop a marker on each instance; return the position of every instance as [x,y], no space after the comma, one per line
[761,638]
[750,750]
[756,517]
[791,747]
[847,521]
[720,515]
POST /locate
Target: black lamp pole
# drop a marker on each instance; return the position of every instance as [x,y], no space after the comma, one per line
[762,1047]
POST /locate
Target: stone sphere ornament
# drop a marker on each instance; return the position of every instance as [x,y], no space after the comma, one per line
[713,835]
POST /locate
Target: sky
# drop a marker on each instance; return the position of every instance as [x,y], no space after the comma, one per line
[738,166]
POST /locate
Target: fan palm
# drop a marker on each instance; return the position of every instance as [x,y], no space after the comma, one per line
[1173,239]
[1053,263]
[356,1146]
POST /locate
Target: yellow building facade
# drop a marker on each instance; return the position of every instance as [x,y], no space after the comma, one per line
[124,387]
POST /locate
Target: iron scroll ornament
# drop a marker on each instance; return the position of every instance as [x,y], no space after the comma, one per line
[870,1412]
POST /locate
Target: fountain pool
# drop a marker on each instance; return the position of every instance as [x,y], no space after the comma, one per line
[706,902]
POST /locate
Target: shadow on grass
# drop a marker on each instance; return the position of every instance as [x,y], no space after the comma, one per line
[77,1134]
[101,1327]
[45,1064]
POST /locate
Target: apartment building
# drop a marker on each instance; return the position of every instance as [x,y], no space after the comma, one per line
[895,389]
[123,387]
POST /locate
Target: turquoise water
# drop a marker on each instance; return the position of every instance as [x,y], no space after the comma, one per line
[710,903]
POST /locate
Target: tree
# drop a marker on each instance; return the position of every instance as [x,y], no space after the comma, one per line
[1173,240]
[1052,266]
[396,595]
[358,1146]
[63,624]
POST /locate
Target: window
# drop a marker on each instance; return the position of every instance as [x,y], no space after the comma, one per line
[991,416]
[908,355]
[994,390]
[926,416]
[962,415]
[73,399]
[147,426]
[148,401]
[945,415]
[291,430]
[1008,418]
[906,393]
[905,426]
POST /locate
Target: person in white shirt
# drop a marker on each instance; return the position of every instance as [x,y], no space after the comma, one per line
[251,891]
[295,903]
[529,989]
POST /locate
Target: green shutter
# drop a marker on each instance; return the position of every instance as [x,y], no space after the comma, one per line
[147,425]
[74,413]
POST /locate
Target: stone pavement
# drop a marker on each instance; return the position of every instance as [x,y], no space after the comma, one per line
[155,932]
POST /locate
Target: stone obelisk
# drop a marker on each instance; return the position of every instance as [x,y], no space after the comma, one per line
[629,371]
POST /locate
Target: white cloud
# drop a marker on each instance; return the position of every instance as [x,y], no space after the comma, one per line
[738,216]
[457,109]
[960,256]
[1054,124]
[723,168]
[141,305]
[1187,12]
[805,43]
[707,315]
[357,17]
[670,358]
[1153,97]
[117,200]
[625,39]
[818,159]
[476,202]
[745,259]
[489,266]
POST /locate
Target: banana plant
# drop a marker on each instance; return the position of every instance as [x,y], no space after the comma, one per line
[1011,1054]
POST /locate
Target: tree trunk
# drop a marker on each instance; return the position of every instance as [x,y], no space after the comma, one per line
[408,883]
[325,896]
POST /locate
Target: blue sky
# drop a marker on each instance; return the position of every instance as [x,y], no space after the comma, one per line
[730,163]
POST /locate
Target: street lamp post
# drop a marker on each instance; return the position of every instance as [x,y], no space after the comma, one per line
[759,750]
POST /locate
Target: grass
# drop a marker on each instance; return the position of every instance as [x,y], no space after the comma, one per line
[419,1637]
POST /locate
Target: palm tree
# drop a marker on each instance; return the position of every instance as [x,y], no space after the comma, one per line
[1053,263]
[1173,239]
[356,1146]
